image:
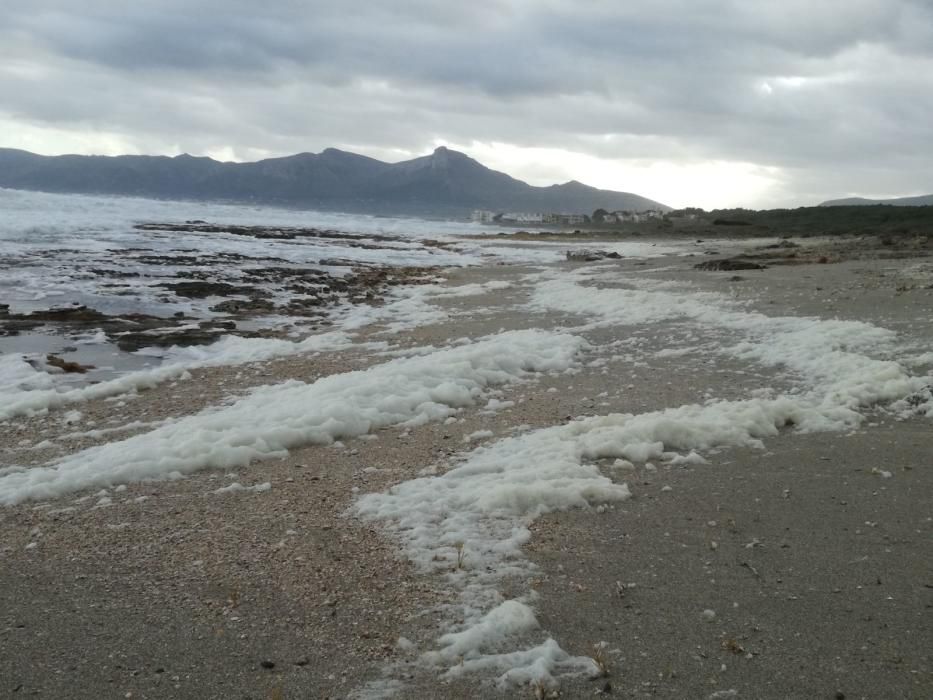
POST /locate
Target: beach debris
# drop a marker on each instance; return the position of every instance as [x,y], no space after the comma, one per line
[784,243]
[709,615]
[600,660]
[733,646]
[728,265]
[591,255]
[66,366]
[541,691]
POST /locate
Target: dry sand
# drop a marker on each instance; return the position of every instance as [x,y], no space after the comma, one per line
[819,571]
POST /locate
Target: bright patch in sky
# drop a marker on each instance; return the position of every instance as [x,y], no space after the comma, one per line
[707,184]
[50,140]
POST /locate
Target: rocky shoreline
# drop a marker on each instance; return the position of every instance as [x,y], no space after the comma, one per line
[797,570]
[302,295]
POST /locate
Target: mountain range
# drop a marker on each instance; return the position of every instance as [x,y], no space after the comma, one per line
[445,182]
[921,201]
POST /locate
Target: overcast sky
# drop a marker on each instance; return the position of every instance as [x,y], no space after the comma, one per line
[690,102]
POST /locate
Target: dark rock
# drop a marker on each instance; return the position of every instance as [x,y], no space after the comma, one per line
[66,366]
[224,325]
[68,314]
[170,259]
[728,265]
[184,337]
[589,255]
[236,306]
[101,272]
[200,290]
[264,232]
[267,664]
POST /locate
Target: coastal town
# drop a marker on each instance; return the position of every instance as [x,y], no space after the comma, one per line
[600,216]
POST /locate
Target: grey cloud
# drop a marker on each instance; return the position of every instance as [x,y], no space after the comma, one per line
[813,88]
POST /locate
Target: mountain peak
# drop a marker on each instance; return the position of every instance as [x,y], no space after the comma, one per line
[443,153]
[443,181]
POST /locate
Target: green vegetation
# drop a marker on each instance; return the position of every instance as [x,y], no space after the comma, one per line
[881,220]
[818,221]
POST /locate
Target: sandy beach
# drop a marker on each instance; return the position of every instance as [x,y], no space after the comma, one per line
[709,567]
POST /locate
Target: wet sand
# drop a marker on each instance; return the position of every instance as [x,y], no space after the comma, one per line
[818,570]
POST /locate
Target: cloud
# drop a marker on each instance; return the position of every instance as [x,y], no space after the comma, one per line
[816,99]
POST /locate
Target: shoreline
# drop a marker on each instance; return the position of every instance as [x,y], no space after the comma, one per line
[217,588]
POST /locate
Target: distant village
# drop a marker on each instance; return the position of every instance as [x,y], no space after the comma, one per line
[600,216]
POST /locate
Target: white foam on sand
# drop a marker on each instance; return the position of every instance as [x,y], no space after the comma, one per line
[273,419]
[236,486]
[848,361]
[408,307]
[29,391]
[476,515]
[469,523]
[17,375]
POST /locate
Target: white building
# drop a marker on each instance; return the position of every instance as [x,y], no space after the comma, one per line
[523,218]
[637,217]
[483,216]
[565,218]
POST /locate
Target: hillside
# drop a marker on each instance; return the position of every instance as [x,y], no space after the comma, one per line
[921,201]
[445,182]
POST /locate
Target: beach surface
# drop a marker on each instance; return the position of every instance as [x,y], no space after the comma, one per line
[618,476]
